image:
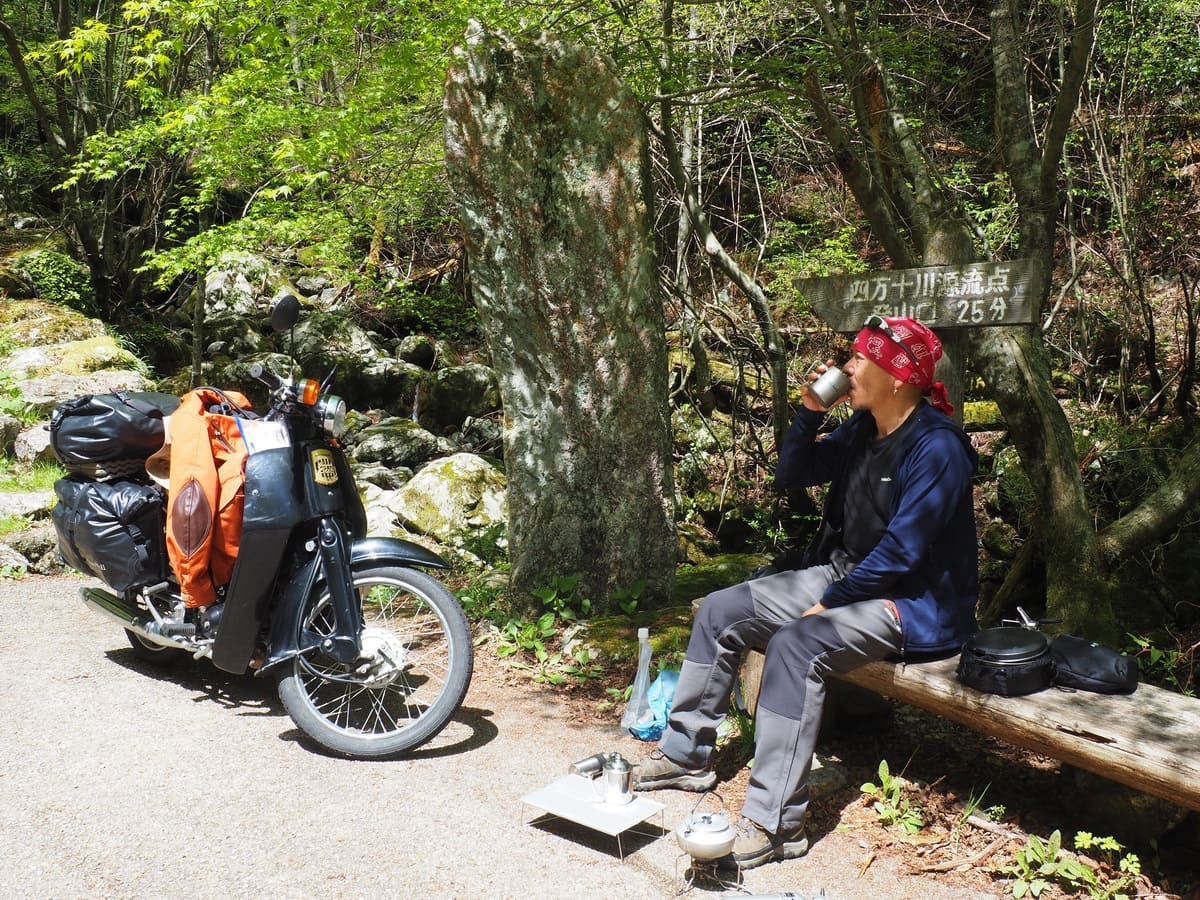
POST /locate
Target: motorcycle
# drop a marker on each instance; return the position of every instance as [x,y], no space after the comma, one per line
[372,655]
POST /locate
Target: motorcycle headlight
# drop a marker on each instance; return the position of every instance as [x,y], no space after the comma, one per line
[332,412]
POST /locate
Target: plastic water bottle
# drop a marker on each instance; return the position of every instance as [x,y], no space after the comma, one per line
[638,711]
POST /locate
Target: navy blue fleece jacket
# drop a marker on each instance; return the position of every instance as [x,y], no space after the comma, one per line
[927,561]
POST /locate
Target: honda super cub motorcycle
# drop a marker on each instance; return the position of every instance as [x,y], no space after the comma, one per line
[372,656]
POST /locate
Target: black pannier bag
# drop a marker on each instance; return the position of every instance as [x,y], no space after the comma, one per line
[1011,661]
[1088,666]
[109,435]
[112,530]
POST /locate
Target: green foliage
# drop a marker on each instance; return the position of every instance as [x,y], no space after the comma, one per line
[891,805]
[1155,42]
[12,401]
[1170,667]
[1041,863]
[563,599]
[806,250]
[441,311]
[547,647]
[12,524]
[992,207]
[1128,865]
[973,805]
[59,279]
[627,599]
[741,731]
[16,477]
[489,545]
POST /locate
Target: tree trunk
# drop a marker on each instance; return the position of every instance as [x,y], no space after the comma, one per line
[548,157]
[1013,360]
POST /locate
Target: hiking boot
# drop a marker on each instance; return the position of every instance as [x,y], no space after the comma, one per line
[754,845]
[656,772]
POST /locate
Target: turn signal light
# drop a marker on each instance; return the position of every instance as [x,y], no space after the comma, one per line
[309,391]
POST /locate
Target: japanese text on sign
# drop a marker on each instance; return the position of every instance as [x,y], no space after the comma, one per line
[979,294]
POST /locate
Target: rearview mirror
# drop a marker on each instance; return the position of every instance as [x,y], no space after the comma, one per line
[285,313]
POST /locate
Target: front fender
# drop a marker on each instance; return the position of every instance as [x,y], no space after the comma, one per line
[287,631]
[381,549]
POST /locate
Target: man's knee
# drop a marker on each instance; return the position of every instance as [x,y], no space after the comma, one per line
[798,643]
[724,608]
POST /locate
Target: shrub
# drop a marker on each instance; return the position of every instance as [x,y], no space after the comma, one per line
[60,279]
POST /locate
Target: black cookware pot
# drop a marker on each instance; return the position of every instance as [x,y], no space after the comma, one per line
[1007,660]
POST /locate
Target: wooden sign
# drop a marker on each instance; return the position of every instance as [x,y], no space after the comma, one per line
[970,296]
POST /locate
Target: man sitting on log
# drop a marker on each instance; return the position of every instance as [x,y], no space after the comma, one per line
[892,571]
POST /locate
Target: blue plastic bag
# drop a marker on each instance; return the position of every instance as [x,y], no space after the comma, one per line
[659,696]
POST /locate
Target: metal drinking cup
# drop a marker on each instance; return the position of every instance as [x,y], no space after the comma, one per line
[830,387]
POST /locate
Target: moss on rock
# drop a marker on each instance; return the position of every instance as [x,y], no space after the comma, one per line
[32,323]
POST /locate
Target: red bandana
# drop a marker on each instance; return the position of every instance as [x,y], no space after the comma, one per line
[909,354]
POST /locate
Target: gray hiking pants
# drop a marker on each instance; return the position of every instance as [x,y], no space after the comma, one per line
[800,652]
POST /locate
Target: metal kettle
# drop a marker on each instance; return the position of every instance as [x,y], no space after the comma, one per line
[706,835]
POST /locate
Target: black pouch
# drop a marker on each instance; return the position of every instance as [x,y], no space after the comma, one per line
[113,531]
[1088,666]
[104,428]
[1007,660]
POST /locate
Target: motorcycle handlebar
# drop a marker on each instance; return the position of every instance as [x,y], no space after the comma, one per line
[266,376]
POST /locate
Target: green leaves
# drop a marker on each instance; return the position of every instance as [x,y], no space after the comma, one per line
[892,806]
[1041,863]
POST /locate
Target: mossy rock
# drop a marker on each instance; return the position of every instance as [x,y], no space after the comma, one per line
[982,415]
[615,637]
[33,323]
[696,581]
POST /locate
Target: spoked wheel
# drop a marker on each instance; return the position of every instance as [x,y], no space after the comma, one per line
[413,673]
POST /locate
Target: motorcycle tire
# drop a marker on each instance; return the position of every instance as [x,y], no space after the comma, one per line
[416,664]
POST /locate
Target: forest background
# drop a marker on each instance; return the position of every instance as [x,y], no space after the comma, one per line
[789,140]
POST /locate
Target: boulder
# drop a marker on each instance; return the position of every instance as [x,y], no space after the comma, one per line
[451,396]
[452,497]
[236,286]
[38,545]
[33,444]
[10,427]
[327,339]
[484,436]
[48,391]
[60,354]
[388,478]
[398,442]
[14,285]
[381,519]
[381,382]
[31,323]
[234,336]
[313,285]
[11,560]
[30,504]
[418,349]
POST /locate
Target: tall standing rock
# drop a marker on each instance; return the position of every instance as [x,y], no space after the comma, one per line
[548,158]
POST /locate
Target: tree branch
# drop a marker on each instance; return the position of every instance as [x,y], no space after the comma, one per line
[1083,38]
[1158,514]
[858,177]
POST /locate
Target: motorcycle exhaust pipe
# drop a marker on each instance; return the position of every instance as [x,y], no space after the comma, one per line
[126,614]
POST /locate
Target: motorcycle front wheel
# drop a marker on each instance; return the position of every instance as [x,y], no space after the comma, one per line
[414,670]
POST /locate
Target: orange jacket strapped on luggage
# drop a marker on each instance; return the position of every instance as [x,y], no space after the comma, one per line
[205,500]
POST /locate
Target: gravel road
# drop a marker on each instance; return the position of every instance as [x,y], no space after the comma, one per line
[119,780]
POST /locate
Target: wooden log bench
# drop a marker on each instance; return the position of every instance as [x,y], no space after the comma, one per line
[1148,740]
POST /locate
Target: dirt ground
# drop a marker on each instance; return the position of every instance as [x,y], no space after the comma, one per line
[946,768]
